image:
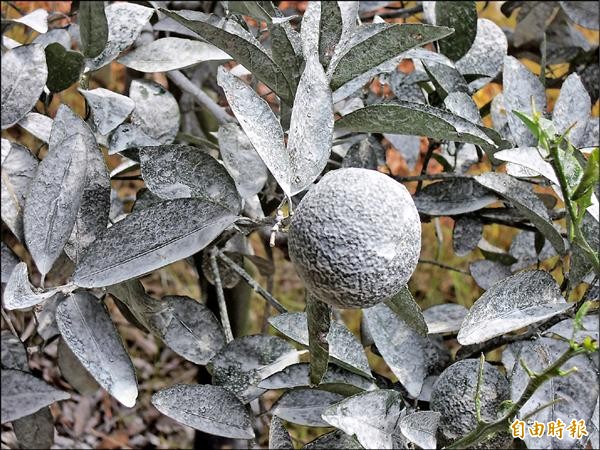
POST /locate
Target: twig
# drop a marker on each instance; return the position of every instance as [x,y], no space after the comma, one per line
[220,295]
[432,176]
[478,388]
[430,149]
[9,323]
[200,96]
[443,266]
[252,282]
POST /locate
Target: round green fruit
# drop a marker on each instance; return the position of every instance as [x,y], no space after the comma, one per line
[453,396]
[355,238]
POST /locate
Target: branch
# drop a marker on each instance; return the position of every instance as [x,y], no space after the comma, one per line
[251,281]
[220,295]
[443,266]
[200,96]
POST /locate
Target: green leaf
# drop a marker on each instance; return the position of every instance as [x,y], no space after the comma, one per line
[225,35]
[93,28]
[530,122]
[392,40]
[405,306]
[415,119]
[64,67]
[590,177]
[330,31]
[462,16]
[287,52]
[318,316]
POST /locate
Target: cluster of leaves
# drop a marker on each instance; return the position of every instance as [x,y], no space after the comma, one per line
[205,196]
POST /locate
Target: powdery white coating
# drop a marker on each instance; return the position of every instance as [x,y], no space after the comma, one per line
[355,238]
[86,327]
[520,87]
[445,318]
[150,98]
[128,136]
[182,171]
[125,23]
[19,293]
[305,406]
[485,56]
[279,438]
[449,197]
[572,109]
[245,361]
[371,416]
[344,348]
[23,394]
[109,109]
[522,197]
[207,408]
[36,20]
[515,302]
[24,75]
[453,397]
[530,158]
[14,353]
[523,249]
[446,79]
[578,391]
[337,438]
[56,191]
[582,13]
[421,428]
[18,169]
[171,53]
[38,125]
[461,104]
[486,273]
[466,234]
[73,371]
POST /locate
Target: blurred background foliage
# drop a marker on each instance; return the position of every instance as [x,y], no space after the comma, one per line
[442,277]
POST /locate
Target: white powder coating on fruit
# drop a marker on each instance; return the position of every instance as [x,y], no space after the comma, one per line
[355,238]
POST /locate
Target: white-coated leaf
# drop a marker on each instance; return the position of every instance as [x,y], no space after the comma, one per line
[530,158]
[86,327]
[165,233]
[125,22]
[522,248]
[60,35]
[181,171]
[207,408]
[241,160]
[450,197]
[9,262]
[18,169]
[74,372]
[334,439]
[23,394]
[171,53]
[109,109]
[344,348]
[582,13]
[578,391]
[305,406]
[92,215]
[462,105]
[156,111]
[311,129]
[55,192]
[513,303]
[35,430]
[421,427]
[401,347]
[188,327]
[279,438]
[572,109]
[36,20]
[260,125]
[486,55]
[127,136]
[45,314]
[37,124]
[24,75]
[445,318]
[19,293]
[466,234]
[371,416]
[246,361]
[521,87]
[522,197]
[408,146]
[14,353]
[336,379]
[486,273]
[566,329]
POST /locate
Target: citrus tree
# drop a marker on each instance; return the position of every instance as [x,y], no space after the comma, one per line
[290,150]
